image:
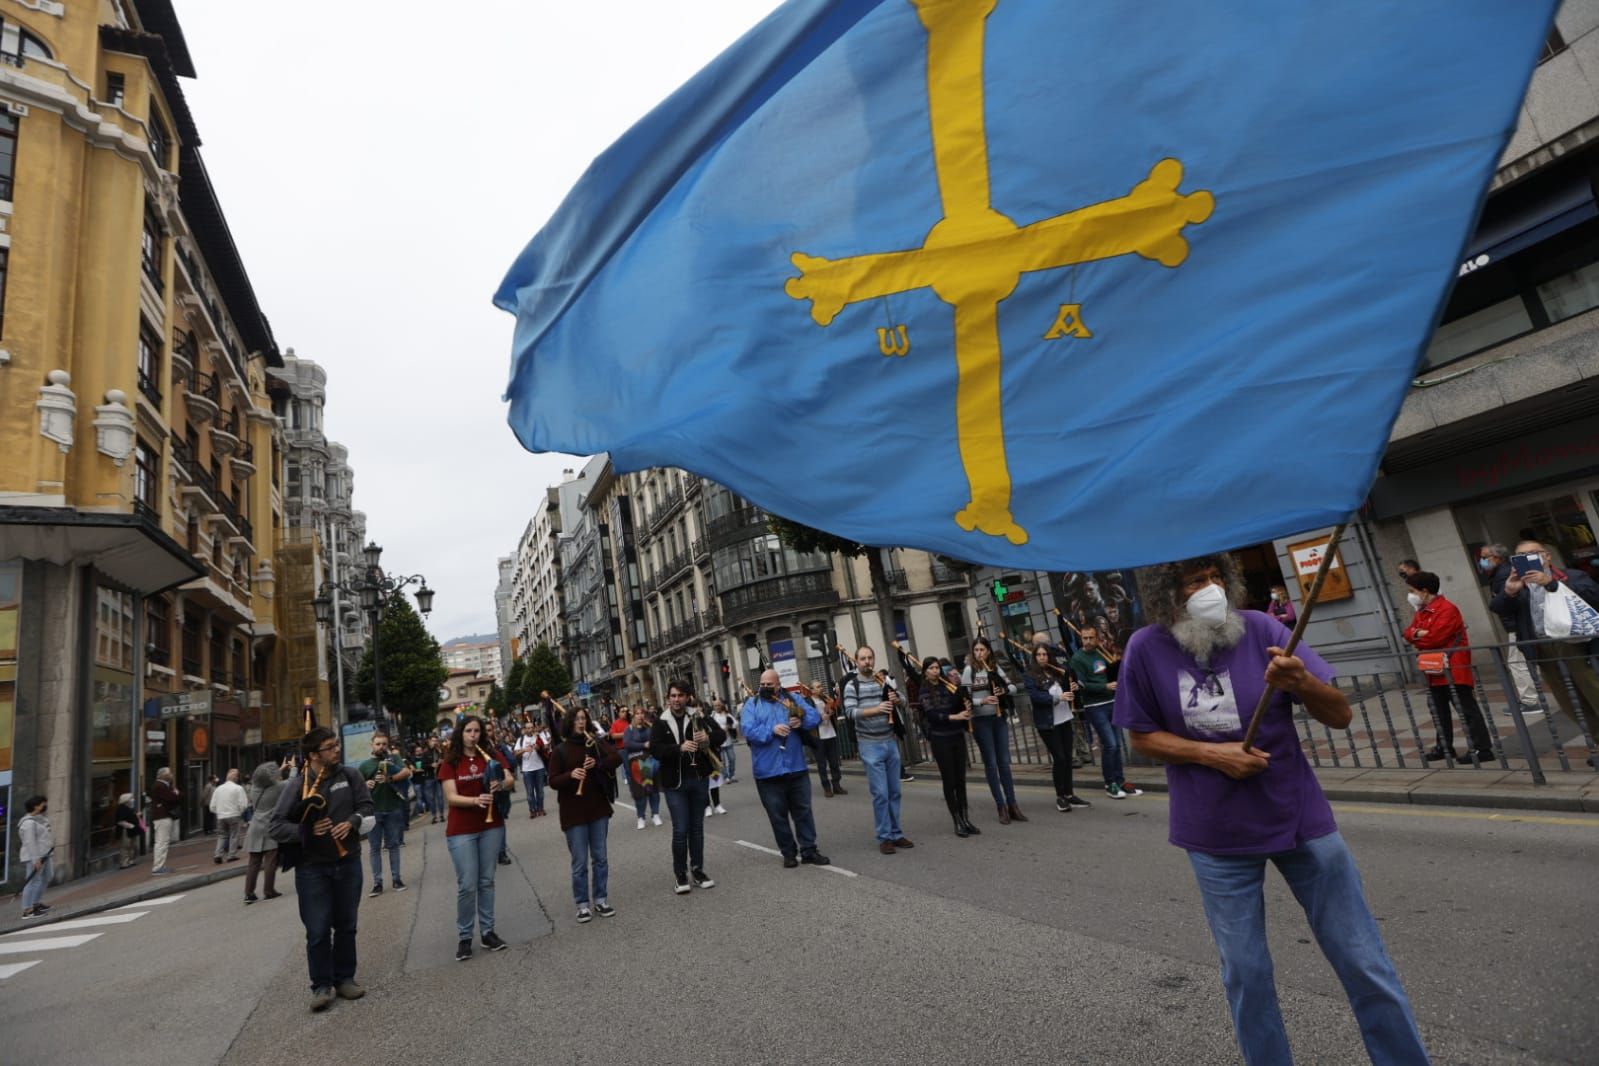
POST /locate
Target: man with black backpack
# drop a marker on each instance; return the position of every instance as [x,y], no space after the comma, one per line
[875,707]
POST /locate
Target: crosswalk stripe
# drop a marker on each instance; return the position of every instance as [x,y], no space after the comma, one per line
[119,918]
[22,947]
[153,902]
[11,969]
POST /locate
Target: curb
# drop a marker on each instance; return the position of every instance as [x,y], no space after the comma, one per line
[106,903]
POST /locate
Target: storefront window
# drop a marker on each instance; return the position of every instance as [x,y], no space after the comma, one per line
[1479,330]
[111,716]
[113,646]
[1571,294]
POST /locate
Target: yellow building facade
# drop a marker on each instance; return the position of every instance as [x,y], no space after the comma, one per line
[140,493]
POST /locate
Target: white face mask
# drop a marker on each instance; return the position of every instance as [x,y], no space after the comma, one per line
[1209,604]
[1415,600]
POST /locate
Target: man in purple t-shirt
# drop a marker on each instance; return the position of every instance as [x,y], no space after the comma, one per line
[1188,684]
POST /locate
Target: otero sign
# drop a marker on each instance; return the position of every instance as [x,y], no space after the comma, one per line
[184,704]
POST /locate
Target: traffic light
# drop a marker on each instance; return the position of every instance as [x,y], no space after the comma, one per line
[727,668]
[819,645]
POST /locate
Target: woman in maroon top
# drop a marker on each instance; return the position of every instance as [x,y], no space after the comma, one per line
[473,840]
[585,760]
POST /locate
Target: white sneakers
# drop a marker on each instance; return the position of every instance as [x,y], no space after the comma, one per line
[720,809]
[656,819]
[640,824]
[709,811]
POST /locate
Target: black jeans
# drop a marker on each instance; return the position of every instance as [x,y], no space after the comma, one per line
[1058,739]
[687,806]
[785,797]
[1475,726]
[827,761]
[330,895]
[950,754]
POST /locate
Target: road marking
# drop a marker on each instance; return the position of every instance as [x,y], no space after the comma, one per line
[1418,812]
[153,902]
[20,947]
[11,969]
[773,851]
[83,923]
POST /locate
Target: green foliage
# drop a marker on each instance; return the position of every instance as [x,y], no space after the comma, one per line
[498,704]
[411,667]
[545,673]
[803,538]
[516,685]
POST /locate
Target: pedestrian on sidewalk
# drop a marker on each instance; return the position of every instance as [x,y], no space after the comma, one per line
[164,801]
[432,792]
[266,785]
[1187,683]
[641,769]
[228,803]
[873,705]
[208,817]
[682,741]
[946,715]
[1438,626]
[585,807]
[470,788]
[318,822]
[1052,718]
[35,844]
[1090,668]
[129,831]
[1280,607]
[991,690]
[534,772]
[1493,560]
[778,765]
[381,772]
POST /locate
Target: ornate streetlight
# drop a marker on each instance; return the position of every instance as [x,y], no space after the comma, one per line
[373,589]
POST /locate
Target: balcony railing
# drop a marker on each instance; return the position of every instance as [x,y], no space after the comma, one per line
[898,580]
[670,501]
[673,567]
[944,574]
[735,526]
[777,595]
[150,390]
[191,666]
[146,512]
[702,549]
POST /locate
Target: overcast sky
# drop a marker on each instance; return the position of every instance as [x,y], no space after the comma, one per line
[380,166]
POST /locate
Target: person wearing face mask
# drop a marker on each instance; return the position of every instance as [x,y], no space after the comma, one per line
[1281,607]
[1438,626]
[769,721]
[1493,560]
[1188,683]
[35,844]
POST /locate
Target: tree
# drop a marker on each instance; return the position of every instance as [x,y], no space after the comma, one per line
[545,673]
[803,538]
[516,686]
[497,704]
[412,669]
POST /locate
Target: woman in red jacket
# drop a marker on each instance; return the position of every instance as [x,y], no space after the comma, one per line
[1437,627]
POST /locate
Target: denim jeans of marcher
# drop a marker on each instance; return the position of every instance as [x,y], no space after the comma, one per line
[474,856]
[993,744]
[880,760]
[687,805]
[1110,748]
[330,896]
[533,782]
[587,844]
[1322,875]
[788,797]
[729,754]
[649,803]
[386,834]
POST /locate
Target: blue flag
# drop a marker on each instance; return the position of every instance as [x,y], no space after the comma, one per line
[1044,284]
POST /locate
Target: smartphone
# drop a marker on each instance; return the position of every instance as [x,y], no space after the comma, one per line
[1526,563]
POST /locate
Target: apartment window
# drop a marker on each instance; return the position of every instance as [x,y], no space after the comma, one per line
[219,654]
[8,152]
[5,256]
[158,630]
[146,474]
[191,646]
[158,137]
[150,248]
[114,633]
[115,88]
[150,363]
[17,45]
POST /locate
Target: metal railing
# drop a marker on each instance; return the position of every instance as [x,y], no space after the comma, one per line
[150,389]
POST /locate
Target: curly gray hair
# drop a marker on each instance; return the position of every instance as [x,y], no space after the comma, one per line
[1161,585]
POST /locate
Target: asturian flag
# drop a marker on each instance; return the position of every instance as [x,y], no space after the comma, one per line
[1052,284]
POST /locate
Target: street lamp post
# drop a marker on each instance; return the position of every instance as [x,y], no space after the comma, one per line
[374,589]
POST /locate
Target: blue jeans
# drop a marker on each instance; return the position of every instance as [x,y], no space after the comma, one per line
[1324,880]
[687,805]
[652,801]
[386,834]
[329,895]
[1110,748]
[474,856]
[729,762]
[785,797]
[993,744]
[33,892]
[533,781]
[587,845]
[880,760]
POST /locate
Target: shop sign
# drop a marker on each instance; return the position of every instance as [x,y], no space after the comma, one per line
[184,704]
[1307,556]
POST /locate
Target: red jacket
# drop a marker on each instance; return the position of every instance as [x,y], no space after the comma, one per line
[1445,629]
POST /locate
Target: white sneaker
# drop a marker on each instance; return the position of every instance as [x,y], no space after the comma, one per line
[709,811]
[640,823]
[655,819]
[720,809]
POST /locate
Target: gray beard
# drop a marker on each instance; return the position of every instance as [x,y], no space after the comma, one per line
[1203,639]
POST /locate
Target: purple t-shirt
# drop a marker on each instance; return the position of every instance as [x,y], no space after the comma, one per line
[1162,689]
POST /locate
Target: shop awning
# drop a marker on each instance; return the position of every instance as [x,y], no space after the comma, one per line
[1505,234]
[131,551]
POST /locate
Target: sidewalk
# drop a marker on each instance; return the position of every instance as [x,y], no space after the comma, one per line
[191,868]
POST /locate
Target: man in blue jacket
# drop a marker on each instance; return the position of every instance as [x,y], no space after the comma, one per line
[771,721]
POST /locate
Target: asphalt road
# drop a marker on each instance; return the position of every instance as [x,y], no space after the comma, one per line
[1071,938]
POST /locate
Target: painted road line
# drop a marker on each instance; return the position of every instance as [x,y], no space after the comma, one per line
[11,969]
[773,851]
[1416,811]
[23,947]
[119,918]
[152,902]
